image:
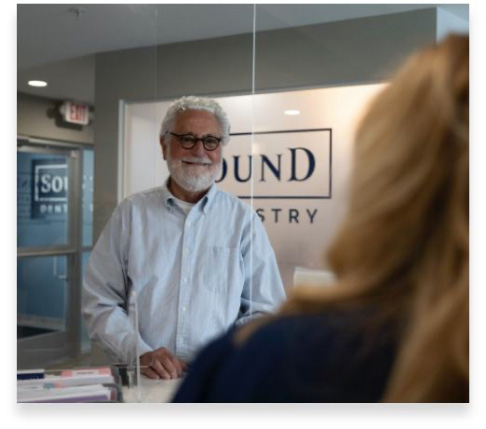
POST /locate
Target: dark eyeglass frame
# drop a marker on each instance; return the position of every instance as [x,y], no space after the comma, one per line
[196,139]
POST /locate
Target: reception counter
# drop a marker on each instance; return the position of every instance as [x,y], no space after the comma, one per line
[152,391]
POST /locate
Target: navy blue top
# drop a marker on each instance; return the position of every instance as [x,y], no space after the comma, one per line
[306,358]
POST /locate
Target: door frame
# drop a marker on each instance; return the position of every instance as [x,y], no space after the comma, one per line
[46,349]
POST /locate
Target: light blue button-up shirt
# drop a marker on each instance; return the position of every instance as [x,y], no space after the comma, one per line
[194,275]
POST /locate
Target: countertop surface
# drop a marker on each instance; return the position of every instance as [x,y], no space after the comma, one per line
[153,391]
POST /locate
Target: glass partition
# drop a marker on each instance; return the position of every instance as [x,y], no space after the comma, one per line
[199,61]
[316,68]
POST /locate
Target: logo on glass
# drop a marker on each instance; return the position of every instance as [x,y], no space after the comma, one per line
[49,187]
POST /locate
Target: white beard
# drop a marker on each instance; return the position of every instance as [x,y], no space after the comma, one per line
[190,177]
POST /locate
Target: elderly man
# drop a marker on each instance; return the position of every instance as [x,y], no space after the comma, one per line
[198,259]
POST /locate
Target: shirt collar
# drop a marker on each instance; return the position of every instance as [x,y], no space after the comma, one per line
[208,199]
[167,197]
[204,203]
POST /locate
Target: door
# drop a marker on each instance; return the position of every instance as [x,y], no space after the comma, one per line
[49,249]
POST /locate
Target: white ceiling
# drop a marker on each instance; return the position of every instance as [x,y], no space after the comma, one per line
[57,42]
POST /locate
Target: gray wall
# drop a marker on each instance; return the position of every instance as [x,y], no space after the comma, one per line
[340,53]
[36,118]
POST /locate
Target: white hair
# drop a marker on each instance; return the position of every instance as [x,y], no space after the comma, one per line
[196,103]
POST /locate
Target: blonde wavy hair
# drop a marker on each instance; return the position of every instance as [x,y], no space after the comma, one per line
[404,245]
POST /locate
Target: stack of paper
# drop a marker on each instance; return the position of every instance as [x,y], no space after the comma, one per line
[77,385]
[91,393]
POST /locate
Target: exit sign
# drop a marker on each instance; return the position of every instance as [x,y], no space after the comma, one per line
[75,113]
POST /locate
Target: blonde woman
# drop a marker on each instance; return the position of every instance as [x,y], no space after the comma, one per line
[394,327]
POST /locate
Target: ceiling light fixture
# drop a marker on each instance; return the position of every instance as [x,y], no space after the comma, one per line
[292,112]
[37,83]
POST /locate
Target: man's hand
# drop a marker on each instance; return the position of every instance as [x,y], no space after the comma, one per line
[161,364]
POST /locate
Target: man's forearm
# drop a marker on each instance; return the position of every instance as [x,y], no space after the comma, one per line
[115,332]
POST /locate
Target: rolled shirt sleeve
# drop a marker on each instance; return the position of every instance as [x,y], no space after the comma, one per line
[263,291]
[107,307]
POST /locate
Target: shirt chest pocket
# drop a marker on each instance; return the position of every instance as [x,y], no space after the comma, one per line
[221,269]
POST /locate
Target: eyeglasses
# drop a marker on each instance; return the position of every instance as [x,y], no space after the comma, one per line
[188,141]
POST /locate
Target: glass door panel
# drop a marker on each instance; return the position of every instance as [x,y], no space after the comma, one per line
[48,244]
[41,295]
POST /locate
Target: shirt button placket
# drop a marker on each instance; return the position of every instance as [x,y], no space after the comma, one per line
[185,292]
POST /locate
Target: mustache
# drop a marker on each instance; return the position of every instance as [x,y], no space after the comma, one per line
[197,160]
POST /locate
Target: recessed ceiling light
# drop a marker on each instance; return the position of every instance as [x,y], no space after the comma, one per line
[38,83]
[292,112]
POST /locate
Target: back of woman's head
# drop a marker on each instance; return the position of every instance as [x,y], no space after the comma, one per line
[433,364]
[409,191]
[404,245]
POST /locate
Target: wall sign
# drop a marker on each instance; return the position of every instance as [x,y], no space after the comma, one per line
[290,164]
[75,113]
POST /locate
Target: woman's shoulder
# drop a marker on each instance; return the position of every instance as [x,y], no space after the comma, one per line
[298,358]
[309,330]
[325,357]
